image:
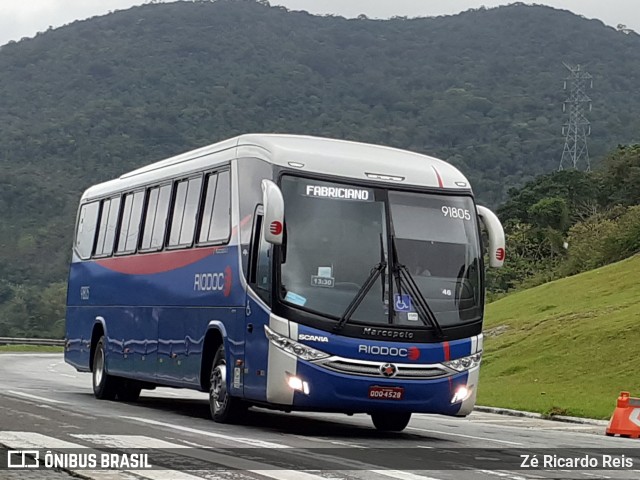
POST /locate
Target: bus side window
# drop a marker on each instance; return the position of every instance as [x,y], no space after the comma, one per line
[86,233]
[263,268]
[155,223]
[185,212]
[260,276]
[216,215]
[130,222]
[108,224]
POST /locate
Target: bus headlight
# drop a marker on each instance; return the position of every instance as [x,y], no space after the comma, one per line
[296,383]
[464,363]
[299,350]
[462,393]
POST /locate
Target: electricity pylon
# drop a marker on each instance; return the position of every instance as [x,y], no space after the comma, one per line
[578,128]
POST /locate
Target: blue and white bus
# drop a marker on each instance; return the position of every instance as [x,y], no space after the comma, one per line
[288,272]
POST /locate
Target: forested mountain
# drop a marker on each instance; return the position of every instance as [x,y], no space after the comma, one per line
[88,101]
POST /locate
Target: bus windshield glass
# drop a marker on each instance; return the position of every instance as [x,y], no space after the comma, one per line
[436,238]
[337,233]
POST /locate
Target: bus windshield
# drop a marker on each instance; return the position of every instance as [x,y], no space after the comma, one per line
[337,233]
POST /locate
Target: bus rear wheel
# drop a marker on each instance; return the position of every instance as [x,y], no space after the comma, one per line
[105,386]
[224,407]
[391,422]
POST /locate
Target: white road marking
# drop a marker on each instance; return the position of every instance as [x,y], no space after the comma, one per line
[287,474]
[37,441]
[402,475]
[245,441]
[465,436]
[52,369]
[139,441]
[29,354]
[503,475]
[34,397]
[67,412]
[277,474]
[127,441]
[135,441]
[333,442]
[27,413]
[34,440]
[191,444]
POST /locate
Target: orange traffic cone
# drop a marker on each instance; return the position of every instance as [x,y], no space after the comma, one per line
[625,420]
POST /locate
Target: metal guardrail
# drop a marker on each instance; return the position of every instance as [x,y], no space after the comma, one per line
[46,342]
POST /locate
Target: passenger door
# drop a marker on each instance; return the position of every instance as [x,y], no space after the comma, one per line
[257,311]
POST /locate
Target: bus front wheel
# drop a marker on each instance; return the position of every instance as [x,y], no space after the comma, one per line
[224,408]
[105,386]
[391,422]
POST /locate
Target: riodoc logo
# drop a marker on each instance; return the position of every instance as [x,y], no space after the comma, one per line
[228,277]
[275,228]
[412,353]
[216,281]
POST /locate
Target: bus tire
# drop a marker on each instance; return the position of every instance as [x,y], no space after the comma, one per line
[105,386]
[391,422]
[224,408]
[129,390]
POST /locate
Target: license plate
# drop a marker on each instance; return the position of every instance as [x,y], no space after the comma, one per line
[386,393]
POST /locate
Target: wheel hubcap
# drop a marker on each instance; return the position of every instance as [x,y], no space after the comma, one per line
[219,388]
[98,369]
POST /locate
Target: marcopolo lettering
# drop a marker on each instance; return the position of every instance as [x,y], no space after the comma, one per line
[377,332]
[337,192]
[207,282]
[380,350]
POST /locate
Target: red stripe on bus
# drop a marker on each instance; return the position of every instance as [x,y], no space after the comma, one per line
[150,263]
[447,353]
[440,184]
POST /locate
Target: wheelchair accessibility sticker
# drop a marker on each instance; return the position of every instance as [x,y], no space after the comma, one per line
[402,303]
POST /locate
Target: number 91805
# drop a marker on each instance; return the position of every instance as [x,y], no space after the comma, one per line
[455,212]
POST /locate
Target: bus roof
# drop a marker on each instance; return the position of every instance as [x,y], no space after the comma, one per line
[340,158]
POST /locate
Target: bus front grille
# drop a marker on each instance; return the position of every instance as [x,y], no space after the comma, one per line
[373,369]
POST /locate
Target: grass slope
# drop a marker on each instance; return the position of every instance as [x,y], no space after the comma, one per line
[30,348]
[567,347]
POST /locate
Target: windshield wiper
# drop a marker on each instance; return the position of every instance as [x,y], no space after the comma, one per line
[404,277]
[382,279]
[357,300]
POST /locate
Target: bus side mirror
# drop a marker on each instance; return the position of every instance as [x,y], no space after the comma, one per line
[273,223]
[496,236]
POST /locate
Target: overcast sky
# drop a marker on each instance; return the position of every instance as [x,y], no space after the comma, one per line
[24,18]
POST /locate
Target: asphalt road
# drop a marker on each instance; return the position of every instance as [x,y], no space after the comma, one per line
[46,404]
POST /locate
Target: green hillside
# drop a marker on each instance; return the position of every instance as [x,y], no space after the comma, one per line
[566,347]
[91,100]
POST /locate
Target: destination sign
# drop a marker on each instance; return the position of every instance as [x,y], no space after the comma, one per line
[339,193]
